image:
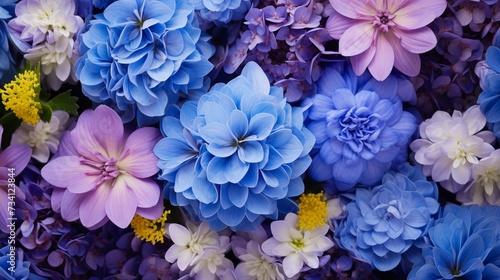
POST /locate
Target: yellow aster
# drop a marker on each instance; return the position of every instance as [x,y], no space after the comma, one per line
[21,96]
[150,230]
[313,211]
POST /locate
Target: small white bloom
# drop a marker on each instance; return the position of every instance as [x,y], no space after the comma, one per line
[255,264]
[336,209]
[190,243]
[451,145]
[486,185]
[295,245]
[44,137]
[212,262]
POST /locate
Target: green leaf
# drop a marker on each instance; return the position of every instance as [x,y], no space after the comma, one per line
[10,123]
[64,102]
[46,113]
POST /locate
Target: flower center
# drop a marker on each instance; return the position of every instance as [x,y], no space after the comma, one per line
[297,243]
[105,169]
[21,96]
[359,128]
[150,230]
[383,20]
[313,211]
[462,155]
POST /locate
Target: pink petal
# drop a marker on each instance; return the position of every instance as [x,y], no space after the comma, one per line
[418,13]
[356,39]
[417,41]
[92,207]
[406,62]
[354,9]
[152,213]
[56,199]
[383,61]
[361,61]
[121,204]
[98,131]
[146,190]
[15,156]
[138,157]
[70,206]
[58,171]
[337,24]
[66,147]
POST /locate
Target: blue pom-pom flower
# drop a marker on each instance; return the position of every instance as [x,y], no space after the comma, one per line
[387,221]
[236,156]
[139,54]
[360,127]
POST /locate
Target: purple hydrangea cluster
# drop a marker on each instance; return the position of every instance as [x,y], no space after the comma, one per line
[285,37]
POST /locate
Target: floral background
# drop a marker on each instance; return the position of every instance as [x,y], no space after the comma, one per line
[250,139]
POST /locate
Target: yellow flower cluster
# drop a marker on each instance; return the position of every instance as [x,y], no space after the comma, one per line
[21,97]
[312,211]
[150,230]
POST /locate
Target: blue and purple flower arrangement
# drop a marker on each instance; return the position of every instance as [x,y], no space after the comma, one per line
[249,139]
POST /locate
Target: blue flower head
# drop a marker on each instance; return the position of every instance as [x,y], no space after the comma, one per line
[139,54]
[236,156]
[463,244]
[387,221]
[360,127]
[489,99]
[7,66]
[221,11]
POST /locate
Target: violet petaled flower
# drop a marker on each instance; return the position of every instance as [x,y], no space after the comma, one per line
[359,125]
[381,34]
[383,223]
[12,162]
[110,171]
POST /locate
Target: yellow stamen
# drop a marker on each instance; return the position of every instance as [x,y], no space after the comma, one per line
[150,230]
[313,211]
[21,96]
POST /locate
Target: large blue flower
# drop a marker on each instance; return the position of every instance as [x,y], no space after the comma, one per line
[489,99]
[221,11]
[139,54]
[7,66]
[360,127]
[236,156]
[463,244]
[385,222]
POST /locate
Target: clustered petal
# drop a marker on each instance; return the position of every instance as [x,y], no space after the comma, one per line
[139,55]
[236,152]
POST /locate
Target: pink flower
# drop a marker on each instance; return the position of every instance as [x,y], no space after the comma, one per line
[103,174]
[380,34]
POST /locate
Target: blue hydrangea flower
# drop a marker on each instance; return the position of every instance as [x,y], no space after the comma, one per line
[221,11]
[463,244]
[236,156]
[360,127]
[383,223]
[489,99]
[21,267]
[7,66]
[139,54]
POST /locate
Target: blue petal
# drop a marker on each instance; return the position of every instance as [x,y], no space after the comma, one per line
[238,124]
[217,133]
[343,99]
[260,204]
[492,55]
[184,177]
[251,152]
[208,210]
[257,77]
[261,125]
[237,194]
[204,191]
[235,169]
[231,216]
[472,249]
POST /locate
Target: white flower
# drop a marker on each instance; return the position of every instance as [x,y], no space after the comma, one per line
[336,209]
[486,185]
[190,243]
[452,145]
[44,137]
[47,29]
[295,245]
[212,262]
[255,264]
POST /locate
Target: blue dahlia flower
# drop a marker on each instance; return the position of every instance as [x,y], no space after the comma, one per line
[463,244]
[360,127]
[387,221]
[139,54]
[7,66]
[236,156]
[221,11]
[489,99]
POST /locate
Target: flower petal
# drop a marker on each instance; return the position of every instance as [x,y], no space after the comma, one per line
[411,15]
[121,204]
[357,39]
[92,207]
[383,61]
[146,190]
[138,158]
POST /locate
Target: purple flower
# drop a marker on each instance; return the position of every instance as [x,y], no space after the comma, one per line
[383,34]
[109,171]
[12,161]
